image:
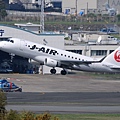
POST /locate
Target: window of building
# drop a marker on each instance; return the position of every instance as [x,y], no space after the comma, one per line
[111,51]
[98,52]
[82,35]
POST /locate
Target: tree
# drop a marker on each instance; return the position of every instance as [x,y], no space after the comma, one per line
[118,16]
[3,12]
[3,99]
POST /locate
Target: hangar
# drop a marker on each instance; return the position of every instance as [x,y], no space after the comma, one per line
[22,65]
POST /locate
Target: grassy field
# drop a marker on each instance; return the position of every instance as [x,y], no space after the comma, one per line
[88,117]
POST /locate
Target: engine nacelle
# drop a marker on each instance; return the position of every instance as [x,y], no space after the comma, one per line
[50,62]
[33,62]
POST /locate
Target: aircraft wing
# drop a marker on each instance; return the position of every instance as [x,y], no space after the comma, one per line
[81,62]
[111,66]
[77,62]
[72,64]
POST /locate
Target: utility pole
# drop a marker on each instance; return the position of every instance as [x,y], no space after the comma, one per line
[76,8]
[41,2]
[87,7]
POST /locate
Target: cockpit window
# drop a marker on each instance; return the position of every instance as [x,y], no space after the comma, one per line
[5,39]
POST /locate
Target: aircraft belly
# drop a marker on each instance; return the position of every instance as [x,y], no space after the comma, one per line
[94,67]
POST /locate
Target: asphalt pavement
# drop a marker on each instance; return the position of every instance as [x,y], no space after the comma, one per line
[73,93]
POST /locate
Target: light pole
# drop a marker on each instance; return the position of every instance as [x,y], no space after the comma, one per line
[41,3]
[76,8]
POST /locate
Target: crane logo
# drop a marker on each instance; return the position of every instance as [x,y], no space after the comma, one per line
[117,56]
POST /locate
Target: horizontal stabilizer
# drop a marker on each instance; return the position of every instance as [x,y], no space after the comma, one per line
[115,67]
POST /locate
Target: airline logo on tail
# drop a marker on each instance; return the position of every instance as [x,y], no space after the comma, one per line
[117,56]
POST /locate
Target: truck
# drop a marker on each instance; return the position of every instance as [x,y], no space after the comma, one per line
[7,86]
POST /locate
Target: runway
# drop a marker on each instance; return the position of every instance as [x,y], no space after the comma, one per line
[73,102]
[73,93]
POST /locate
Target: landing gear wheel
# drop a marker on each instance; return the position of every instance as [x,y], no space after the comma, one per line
[63,72]
[53,71]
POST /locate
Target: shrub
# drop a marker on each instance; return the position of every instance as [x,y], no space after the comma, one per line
[3,102]
[12,115]
[27,115]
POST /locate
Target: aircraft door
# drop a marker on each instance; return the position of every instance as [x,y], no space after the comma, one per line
[22,44]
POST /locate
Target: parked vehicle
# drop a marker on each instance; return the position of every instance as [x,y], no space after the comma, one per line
[7,86]
[109,31]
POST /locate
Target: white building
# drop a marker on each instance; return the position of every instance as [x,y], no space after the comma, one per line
[89,6]
[90,44]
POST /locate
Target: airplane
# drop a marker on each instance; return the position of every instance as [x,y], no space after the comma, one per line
[54,57]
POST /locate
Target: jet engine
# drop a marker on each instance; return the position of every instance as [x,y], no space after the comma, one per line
[50,62]
[33,62]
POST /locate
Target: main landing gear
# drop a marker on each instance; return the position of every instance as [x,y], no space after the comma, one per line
[63,72]
[53,71]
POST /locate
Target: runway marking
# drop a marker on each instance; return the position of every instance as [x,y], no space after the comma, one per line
[15,79]
[82,77]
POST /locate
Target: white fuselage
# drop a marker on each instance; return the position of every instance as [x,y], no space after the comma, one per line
[40,52]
